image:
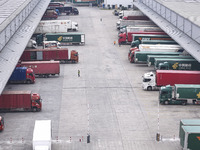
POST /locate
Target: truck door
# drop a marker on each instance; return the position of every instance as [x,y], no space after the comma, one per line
[39,55]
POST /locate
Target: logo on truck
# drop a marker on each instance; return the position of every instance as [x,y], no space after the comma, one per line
[60,38]
[198,95]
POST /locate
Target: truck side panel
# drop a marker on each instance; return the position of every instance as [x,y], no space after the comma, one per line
[17,101]
[171,77]
[187,93]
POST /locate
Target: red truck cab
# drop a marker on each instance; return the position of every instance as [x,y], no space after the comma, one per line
[1,123]
[36,102]
[74,56]
[131,54]
[30,75]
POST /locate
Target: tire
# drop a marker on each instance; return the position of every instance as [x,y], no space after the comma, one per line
[184,103]
[28,82]
[166,102]
[149,88]
[34,109]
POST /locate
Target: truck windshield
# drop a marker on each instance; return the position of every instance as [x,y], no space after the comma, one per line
[37,101]
[146,80]
[163,92]
[31,74]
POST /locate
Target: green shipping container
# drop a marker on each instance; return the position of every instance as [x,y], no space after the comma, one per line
[151,58]
[187,91]
[178,63]
[141,56]
[187,122]
[190,138]
[66,38]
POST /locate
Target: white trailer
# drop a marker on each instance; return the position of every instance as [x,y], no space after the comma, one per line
[141,28]
[42,135]
[160,47]
[56,26]
[130,13]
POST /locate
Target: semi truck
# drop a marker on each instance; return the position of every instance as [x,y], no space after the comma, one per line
[139,28]
[68,10]
[56,26]
[128,12]
[187,122]
[1,123]
[127,38]
[63,38]
[180,94]
[50,14]
[50,54]
[22,75]
[125,23]
[42,134]
[151,58]
[141,56]
[137,38]
[153,81]
[165,42]
[43,68]
[31,44]
[176,64]
[190,138]
[20,101]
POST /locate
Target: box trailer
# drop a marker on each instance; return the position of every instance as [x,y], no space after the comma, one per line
[20,101]
[43,68]
[176,64]
[42,135]
[56,26]
[50,54]
[137,38]
[130,12]
[190,139]
[129,17]
[63,38]
[151,58]
[180,94]
[124,23]
[68,10]
[50,14]
[187,122]
[152,81]
[141,56]
[22,75]
[126,37]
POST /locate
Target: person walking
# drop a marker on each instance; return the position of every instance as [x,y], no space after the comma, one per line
[114,42]
[78,73]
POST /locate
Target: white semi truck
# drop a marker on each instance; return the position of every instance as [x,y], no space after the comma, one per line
[56,26]
[42,135]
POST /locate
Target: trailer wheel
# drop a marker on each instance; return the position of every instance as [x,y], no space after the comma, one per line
[184,103]
[34,109]
[149,88]
[166,102]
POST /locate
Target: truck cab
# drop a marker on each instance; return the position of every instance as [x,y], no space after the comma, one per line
[74,56]
[74,26]
[149,81]
[30,77]
[51,44]
[122,38]
[36,102]
[131,54]
[1,123]
[165,94]
[163,66]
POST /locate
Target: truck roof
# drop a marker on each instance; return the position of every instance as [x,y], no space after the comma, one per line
[67,33]
[188,86]
[16,92]
[175,59]
[41,62]
[191,129]
[42,130]
[157,52]
[178,71]
[190,121]
[47,49]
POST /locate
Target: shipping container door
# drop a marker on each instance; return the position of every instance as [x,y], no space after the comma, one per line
[39,56]
[82,38]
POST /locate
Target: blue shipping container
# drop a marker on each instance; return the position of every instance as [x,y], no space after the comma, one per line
[18,74]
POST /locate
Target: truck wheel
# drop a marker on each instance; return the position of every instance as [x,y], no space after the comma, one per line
[149,88]
[28,82]
[166,102]
[34,109]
